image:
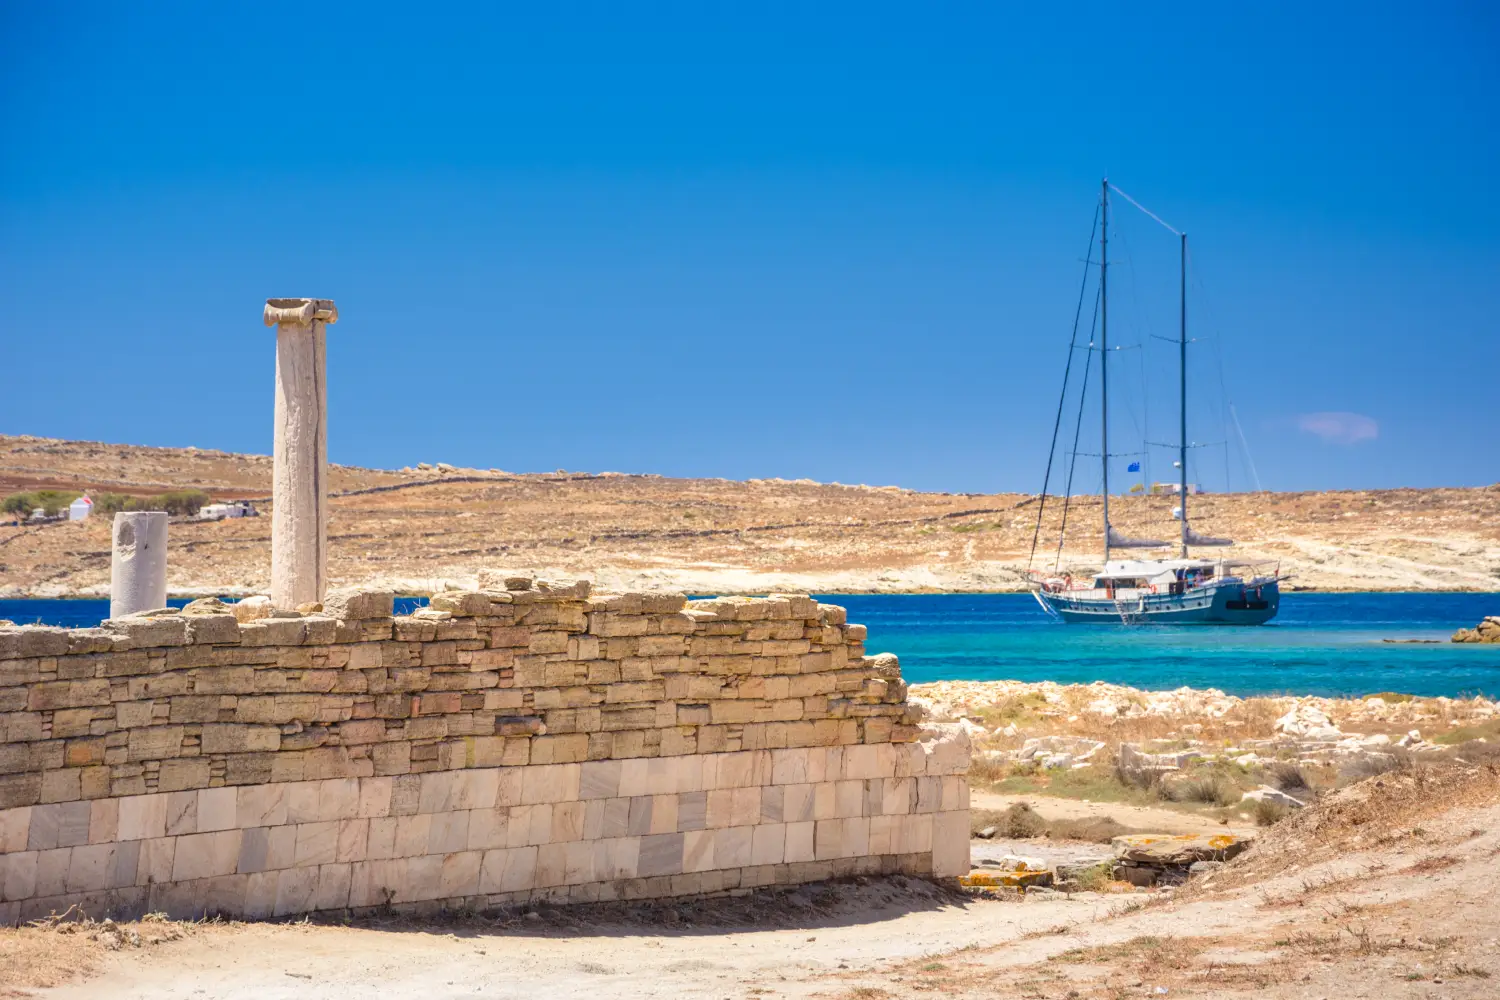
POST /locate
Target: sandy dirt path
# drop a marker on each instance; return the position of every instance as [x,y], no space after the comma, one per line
[871,927]
[1412,920]
[1156,820]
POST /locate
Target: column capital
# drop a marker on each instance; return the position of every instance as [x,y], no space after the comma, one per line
[300,311]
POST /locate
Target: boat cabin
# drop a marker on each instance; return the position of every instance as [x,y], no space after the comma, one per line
[1163,576]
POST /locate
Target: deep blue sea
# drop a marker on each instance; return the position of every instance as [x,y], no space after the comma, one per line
[1320,643]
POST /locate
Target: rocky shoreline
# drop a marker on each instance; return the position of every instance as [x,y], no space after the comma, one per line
[1258,757]
[1102,701]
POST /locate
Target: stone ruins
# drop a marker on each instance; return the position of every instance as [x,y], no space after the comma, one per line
[526,741]
[511,744]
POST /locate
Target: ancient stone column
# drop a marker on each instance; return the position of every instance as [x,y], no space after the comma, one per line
[299,513]
[138,563]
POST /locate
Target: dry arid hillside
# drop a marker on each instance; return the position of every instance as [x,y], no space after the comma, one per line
[418,530]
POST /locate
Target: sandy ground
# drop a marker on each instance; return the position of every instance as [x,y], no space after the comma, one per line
[1157,820]
[871,926]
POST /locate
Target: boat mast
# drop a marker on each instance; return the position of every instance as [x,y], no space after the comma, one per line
[1104,351]
[1182,446]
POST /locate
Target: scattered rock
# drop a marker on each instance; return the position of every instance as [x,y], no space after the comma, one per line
[1133,760]
[1182,849]
[994,878]
[1140,876]
[1309,722]
[496,579]
[357,605]
[252,608]
[1016,863]
[1265,793]
[1059,751]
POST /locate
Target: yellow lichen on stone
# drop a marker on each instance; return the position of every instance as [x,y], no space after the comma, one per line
[990,879]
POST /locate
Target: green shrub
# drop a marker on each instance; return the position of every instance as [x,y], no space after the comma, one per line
[177,502]
[53,502]
[111,503]
[1096,878]
[183,502]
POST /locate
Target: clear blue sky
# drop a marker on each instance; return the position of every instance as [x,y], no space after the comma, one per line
[823,240]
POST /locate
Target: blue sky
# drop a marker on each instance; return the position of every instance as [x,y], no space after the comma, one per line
[833,241]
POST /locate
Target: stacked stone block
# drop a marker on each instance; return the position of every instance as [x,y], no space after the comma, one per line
[520,740]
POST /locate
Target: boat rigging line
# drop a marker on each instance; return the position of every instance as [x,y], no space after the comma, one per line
[1171,228]
[1062,529]
[1067,369]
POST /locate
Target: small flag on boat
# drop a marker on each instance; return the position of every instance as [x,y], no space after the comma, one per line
[1133,467]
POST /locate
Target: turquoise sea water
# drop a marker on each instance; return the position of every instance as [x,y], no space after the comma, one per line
[1319,644]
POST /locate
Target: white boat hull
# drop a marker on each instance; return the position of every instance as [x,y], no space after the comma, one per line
[1218,603]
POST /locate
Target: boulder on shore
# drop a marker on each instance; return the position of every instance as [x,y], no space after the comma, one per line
[1486,631]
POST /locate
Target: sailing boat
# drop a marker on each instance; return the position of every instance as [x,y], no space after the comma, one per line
[1180,591]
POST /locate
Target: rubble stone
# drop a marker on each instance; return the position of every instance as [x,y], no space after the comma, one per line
[1265,793]
[1183,849]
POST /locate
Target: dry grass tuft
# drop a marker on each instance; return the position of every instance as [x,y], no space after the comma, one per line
[1267,813]
[1289,778]
[1097,878]
[1207,788]
[1148,953]
[65,947]
[1021,822]
[1430,865]
[1093,829]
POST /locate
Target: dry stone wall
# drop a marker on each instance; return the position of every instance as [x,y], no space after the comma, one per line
[519,742]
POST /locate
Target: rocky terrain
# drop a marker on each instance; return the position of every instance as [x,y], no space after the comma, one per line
[1200,748]
[426,529]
